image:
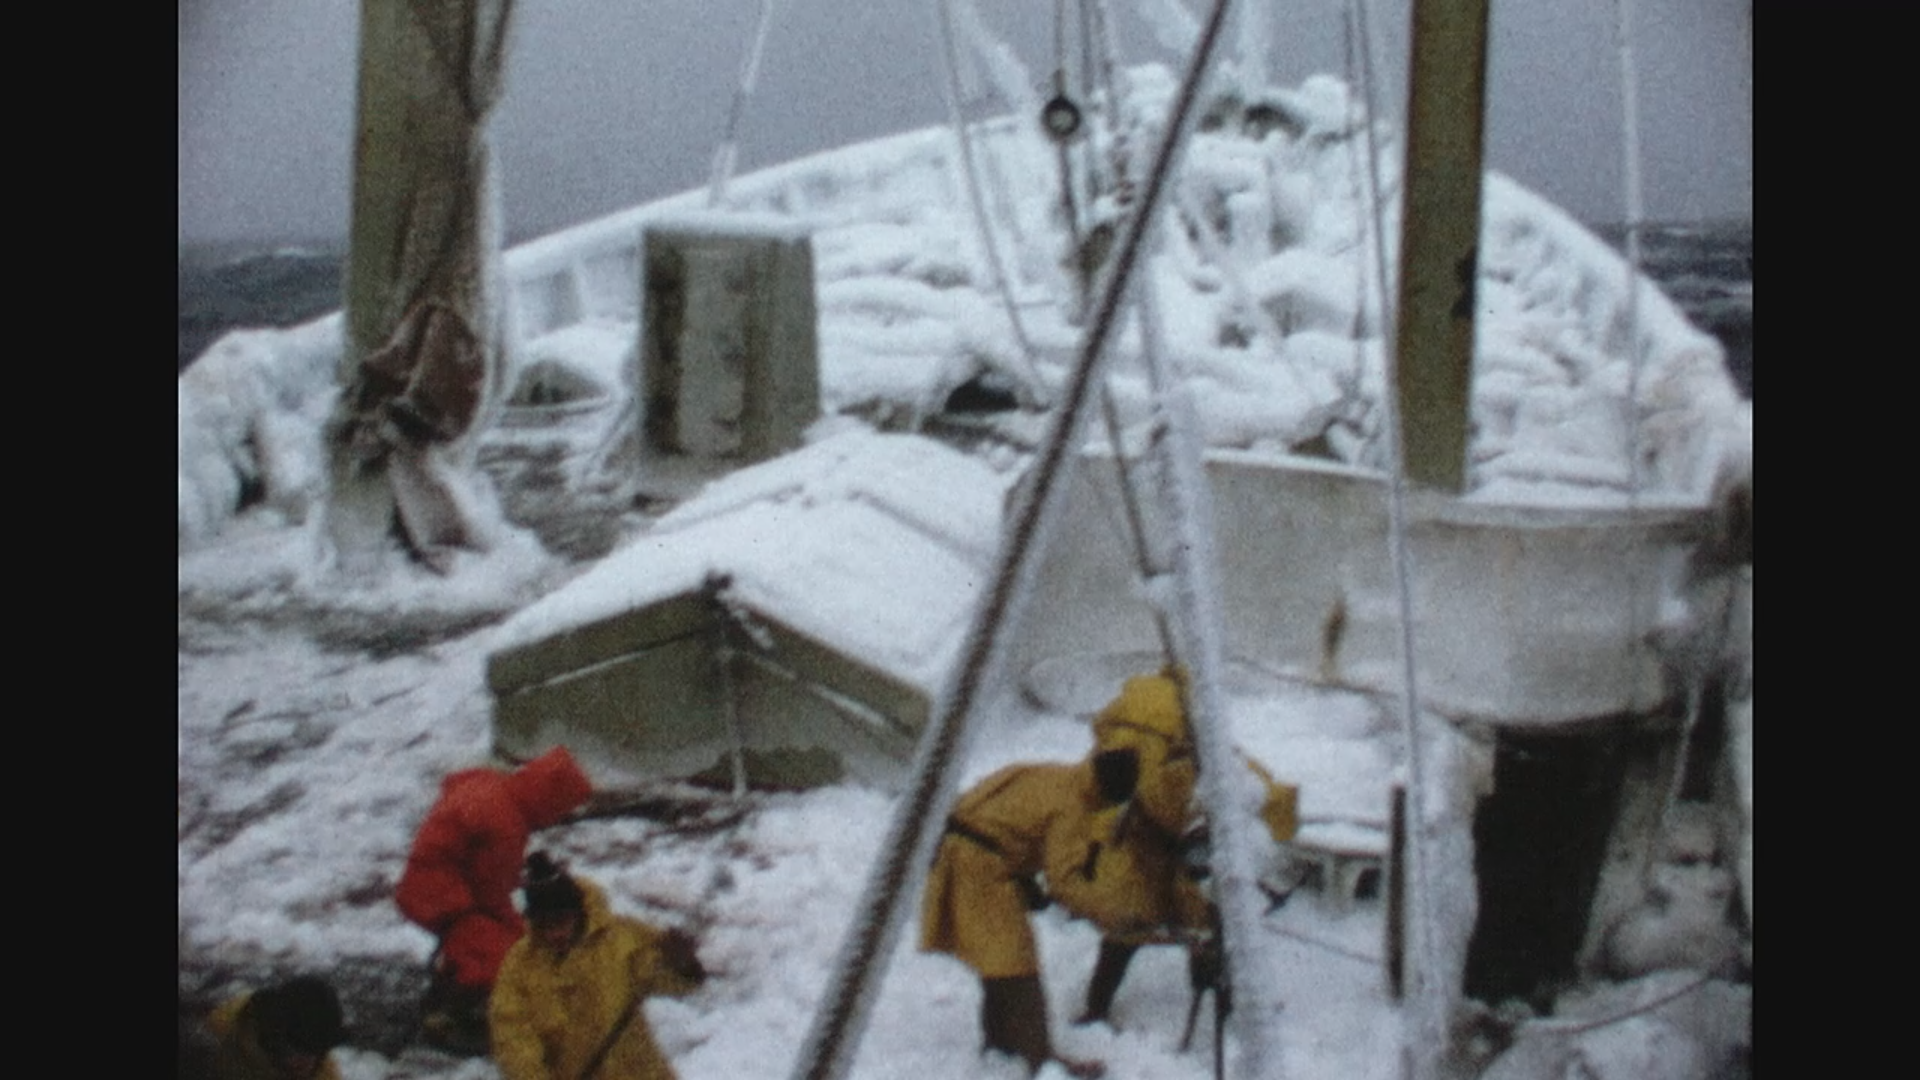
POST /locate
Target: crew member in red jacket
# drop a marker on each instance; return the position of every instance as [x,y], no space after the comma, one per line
[461,875]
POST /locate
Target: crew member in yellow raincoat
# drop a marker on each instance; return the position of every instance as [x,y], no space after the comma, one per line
[286,1031]
[1105,835]
[567,1003]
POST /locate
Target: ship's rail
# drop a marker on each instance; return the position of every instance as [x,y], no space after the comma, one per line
[592,270]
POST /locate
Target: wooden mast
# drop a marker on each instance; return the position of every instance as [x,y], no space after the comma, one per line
[1439,238]
[1433,402]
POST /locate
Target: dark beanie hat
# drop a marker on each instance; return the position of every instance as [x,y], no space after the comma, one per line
[301,1014]
[548,889]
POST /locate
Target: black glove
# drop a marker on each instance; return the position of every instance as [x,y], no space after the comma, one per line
[1196,851]
[681,954]
[1206,963]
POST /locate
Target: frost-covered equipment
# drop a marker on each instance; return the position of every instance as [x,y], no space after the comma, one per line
[729,349]
[1304,542]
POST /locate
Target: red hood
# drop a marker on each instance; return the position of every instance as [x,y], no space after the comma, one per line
[548,788]
[462,778]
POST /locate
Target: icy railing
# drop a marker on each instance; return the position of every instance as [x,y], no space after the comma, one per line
[1261,280]
[592,270]
[1269,307]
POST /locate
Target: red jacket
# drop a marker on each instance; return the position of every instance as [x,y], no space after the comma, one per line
[466,859]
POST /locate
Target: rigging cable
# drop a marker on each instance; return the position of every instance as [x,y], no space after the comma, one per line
[1087,87]
[1630,151]
[1035,392]
[1423,1031]
[724,614]
[845,1001]
[728,150]
[1136,524]
[1112,79]
[1326,946]
[1632,194]
[1069,203]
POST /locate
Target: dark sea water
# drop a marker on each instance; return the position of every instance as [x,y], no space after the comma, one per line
[1706,267]
[229,286]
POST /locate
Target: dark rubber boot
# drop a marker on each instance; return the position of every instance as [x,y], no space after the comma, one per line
[1013,1017]
[1108,971]
[453,1018]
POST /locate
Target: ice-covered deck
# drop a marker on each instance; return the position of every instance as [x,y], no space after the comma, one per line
[1284,358]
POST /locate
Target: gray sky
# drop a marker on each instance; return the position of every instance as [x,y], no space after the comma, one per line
[613,102]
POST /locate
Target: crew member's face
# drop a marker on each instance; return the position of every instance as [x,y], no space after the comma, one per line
[298,1064]
[556,933]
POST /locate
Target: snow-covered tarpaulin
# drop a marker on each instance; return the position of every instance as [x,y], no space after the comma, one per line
[844,574]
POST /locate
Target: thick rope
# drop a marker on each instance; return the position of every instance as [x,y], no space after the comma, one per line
[1136,524]
[1571,1026]
[1112,80]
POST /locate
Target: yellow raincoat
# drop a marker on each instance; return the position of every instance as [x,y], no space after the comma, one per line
[1115,866]
[1147,717]
[1115,870]
[549,1015]
[238,1054]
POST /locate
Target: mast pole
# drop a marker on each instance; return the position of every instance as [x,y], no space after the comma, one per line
[1430,409]
[1635,211]
[1440,237]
